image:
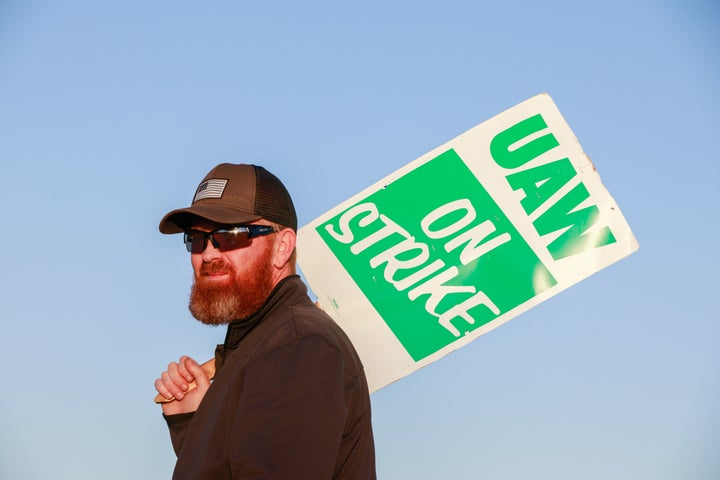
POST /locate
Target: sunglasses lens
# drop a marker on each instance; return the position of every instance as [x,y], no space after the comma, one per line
[230,240]
[194,242]
[224,240]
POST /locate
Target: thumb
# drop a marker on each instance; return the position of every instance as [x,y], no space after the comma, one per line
[201,378]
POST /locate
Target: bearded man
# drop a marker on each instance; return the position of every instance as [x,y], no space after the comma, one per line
[289,397]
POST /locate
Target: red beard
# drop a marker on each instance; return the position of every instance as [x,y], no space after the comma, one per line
[216,302]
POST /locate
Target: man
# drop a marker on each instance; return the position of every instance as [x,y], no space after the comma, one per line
[289,399]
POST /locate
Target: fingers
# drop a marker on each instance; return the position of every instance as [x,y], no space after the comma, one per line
[175,381]
[183,385]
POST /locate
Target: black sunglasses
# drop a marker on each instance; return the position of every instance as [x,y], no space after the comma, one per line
[225,238]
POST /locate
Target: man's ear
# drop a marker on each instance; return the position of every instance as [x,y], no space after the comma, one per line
[284,247]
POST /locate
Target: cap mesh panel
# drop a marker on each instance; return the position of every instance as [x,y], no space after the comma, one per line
[273,201]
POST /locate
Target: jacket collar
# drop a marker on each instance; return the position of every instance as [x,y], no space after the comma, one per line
[237,330]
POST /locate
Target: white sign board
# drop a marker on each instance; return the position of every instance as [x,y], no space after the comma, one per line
[462,239]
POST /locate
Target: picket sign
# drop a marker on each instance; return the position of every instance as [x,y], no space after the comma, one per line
[463,239]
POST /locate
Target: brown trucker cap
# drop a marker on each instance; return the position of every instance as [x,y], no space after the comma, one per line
[234,194]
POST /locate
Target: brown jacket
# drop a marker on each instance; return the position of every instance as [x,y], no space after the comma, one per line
[289,401]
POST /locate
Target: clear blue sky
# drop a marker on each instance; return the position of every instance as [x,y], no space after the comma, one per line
[111,112]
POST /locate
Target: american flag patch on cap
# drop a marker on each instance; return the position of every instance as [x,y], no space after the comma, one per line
[212,188]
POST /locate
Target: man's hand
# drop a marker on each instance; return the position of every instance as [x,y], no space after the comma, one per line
[174,383]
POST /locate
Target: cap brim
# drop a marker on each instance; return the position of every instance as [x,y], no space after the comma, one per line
[181,219]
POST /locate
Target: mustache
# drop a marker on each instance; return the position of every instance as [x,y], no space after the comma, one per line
[215,267]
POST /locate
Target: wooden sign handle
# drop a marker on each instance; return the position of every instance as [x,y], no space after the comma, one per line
[207,367]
